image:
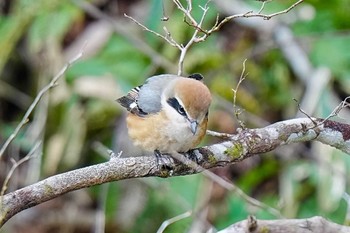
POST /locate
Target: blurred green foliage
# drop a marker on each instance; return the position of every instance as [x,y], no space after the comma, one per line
[81,110]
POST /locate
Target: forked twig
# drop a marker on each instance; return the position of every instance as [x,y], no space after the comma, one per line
[335,112]
[251,14]
[197,25]
[15,165]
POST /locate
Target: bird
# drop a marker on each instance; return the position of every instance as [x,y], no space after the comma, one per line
[168,113]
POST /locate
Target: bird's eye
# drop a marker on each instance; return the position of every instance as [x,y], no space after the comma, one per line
[173,102]
[181,110]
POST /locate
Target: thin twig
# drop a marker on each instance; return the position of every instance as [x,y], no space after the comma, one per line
[241,79]
[280,12]
[164,17]
[252,201]
[336,111]
[219,135]
[15,165]
[251,14]
[102,150]
[194,39]
[227,185]
[237,111]
[197,25]
[343,104]
[122,29]
[25,118]
[170,38]
[305,113]
[262,7]
[166,223]
[166,38]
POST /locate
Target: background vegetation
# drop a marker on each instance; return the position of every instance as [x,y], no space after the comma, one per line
[79,116]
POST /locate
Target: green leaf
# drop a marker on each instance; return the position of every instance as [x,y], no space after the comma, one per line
[42,30]
[330,52]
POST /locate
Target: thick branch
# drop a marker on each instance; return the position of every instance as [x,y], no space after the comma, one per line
[236,148]
[314,224]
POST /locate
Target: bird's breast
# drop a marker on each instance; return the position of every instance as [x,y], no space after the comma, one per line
[157,132]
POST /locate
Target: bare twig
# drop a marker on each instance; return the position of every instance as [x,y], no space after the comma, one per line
[166,38]
[121,29]
[303,112]
[15,165]
[242,194]
[42,92]
[263,6]
[344,104]
[227,185]
[251,14]
[197,25]
[278,13]
[164,17]
[194,38]
[236,110]
[241,79]
[219,135]
[177,218]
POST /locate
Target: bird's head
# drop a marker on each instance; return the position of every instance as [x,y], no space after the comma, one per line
[187,101]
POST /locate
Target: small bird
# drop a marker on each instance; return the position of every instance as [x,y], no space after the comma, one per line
[169,113]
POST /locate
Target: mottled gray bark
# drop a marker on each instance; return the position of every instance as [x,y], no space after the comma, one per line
[310,225]
[235,148]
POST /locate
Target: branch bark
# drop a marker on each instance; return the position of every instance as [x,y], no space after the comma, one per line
[315,224]
[245,143]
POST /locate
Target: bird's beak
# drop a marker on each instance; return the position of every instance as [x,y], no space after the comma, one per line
[194,126]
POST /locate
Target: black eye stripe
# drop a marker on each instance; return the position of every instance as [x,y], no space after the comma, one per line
[177,106]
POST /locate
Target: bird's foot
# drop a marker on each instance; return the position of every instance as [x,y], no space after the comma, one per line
[191,155]
[164,161]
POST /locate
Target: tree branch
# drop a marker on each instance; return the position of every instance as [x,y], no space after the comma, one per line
[314,224]
[240,146]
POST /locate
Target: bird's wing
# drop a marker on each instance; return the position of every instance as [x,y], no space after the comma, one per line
[146,99]
[150,94]
[129,101]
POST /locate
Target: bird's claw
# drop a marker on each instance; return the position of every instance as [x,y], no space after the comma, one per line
[191,155]
[164,161]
